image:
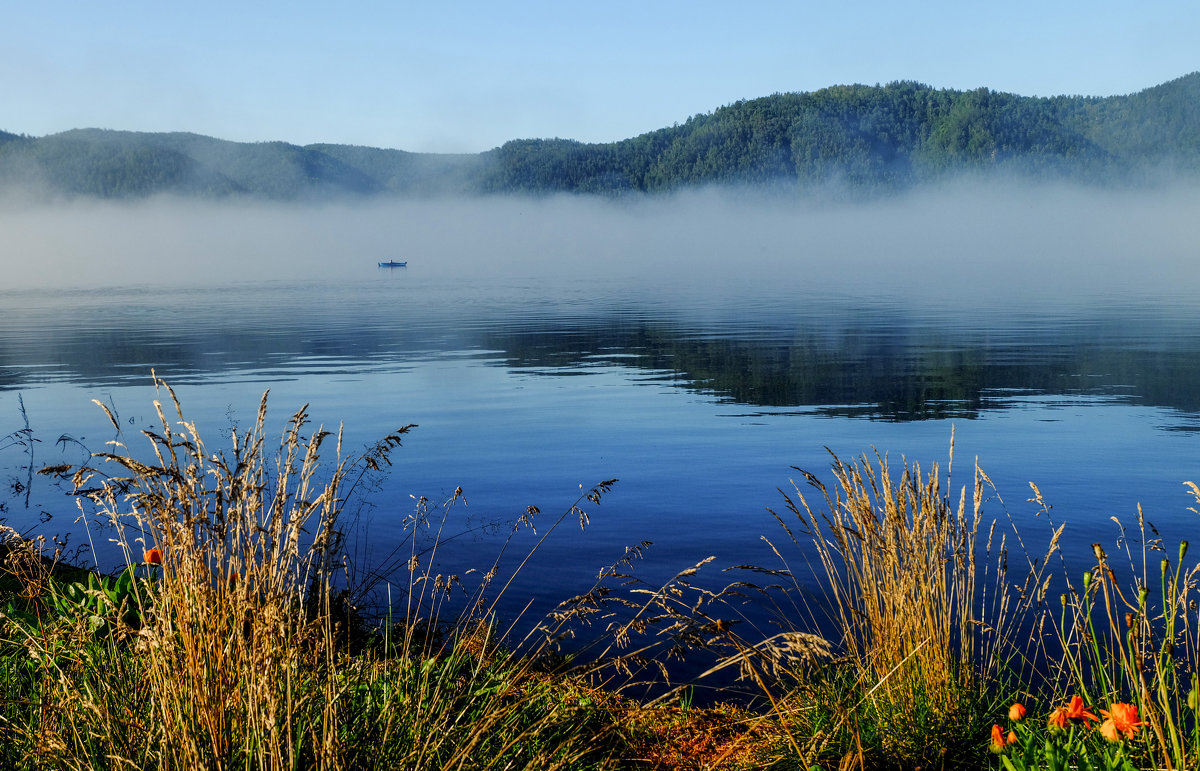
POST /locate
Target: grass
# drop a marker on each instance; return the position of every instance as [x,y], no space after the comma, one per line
[228,641]
[920,609]
[231,639]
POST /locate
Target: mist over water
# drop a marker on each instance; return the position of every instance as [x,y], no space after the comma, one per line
[954,245]
[694,346]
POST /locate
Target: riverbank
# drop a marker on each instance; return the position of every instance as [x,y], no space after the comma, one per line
[229,639]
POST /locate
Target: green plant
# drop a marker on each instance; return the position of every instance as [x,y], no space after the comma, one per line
[1138,639]
[1071,737]
[103,600]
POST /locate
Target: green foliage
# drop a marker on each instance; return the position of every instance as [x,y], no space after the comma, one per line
[102,601]
[458,706]
[1070,743]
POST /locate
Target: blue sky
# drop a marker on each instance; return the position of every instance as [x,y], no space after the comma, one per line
[468,76]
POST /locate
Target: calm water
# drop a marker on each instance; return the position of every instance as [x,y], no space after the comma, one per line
[697,384]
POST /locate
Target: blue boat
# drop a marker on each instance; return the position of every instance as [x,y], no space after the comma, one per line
[394,264]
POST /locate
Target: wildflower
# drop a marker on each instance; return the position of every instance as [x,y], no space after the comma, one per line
[997,745]
[1121,719]
[1011,738]
[1016,712]
[1058,720]
[1076,711]
[152,556]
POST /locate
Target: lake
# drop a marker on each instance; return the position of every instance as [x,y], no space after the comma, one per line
[695,349]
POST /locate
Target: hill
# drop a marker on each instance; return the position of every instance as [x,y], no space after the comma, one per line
[862,139]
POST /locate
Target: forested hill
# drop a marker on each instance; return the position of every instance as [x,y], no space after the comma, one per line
[867,139]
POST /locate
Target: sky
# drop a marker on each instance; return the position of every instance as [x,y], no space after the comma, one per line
[463,76]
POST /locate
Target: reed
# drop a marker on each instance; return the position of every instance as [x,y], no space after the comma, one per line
[917,604]
[233,632]
[223,644]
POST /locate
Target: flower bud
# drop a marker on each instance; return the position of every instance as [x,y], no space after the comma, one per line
[997,744]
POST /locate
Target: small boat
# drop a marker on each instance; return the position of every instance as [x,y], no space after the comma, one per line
[394,264]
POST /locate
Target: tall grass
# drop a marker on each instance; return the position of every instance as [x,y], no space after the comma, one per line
[224,645]
[916,602]
[234,633]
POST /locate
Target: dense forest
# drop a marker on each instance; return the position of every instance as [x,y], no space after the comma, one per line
[858,139]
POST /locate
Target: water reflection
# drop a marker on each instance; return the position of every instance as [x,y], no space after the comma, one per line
[886,363]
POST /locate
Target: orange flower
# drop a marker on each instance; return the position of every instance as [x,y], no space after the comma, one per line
[1016,712]
[152,556]
[1076,711]
[997,739]
[1058,719]
[1011,738]
[1121,719]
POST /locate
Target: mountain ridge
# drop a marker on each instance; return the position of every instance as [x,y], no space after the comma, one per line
[860,139]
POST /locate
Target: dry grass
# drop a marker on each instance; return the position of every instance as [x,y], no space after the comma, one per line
[918,601]
[227,653]
[236,637]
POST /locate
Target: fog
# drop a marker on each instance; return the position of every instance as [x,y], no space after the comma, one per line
[959,243]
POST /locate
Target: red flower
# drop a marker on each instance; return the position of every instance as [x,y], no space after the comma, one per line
[152,556]
[1121,719]
[1016,712]
[997,739]
[1076,711]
